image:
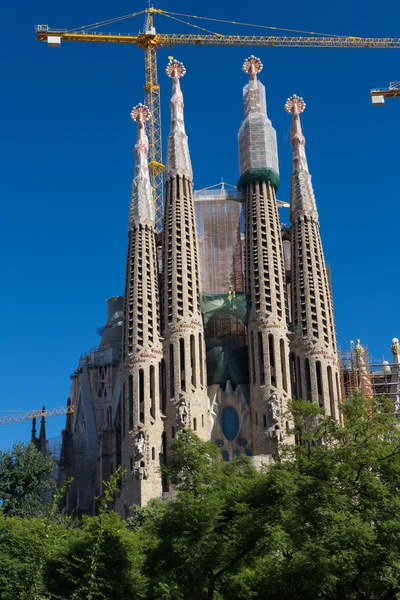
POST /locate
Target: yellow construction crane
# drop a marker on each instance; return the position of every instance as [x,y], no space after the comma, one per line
[150,41]
[378,96]
[36,414]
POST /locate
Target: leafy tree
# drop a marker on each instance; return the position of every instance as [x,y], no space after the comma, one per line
[25,476]
[323,522]
[100,560]
[197,541]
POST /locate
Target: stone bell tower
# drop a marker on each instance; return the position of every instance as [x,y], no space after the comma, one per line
[141,418]
[314,359]
[265,275]
[184,348]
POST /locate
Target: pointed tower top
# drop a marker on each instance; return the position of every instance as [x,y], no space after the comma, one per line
[142,206]
[178,157]
[33,434]
[42,434]
[303,200]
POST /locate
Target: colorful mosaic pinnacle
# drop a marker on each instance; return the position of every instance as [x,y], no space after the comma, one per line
[252,66]
[140,113]
[295,105]
[175,69]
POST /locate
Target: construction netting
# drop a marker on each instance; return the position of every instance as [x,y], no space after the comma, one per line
[219,214]
[219,226]
[257,138]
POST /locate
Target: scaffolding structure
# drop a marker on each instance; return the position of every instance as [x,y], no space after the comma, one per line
[373,378]
[218,215]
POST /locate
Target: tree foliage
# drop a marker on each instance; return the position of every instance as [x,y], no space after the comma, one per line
[25,476]
[322,522]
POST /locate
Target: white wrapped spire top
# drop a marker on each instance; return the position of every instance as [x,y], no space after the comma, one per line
[141,209]
[257,137]
[178,157]
[302,200]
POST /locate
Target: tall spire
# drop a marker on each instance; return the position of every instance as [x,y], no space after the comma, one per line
[314,360]
[303,199]
[183,333]
[142,425]
[142,206]
[178,157]
[258,154]
[265,271]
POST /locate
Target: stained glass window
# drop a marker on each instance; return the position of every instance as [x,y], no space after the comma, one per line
[230,423]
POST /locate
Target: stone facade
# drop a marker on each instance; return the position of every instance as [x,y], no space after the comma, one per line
[222,361]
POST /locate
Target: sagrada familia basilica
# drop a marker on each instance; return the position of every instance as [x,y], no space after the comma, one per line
[218,327]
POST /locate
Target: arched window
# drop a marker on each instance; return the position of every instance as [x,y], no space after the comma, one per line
[293,378]
[130,403]
[299,381]
[318,370]
[153,453]
[152,392]
[253,358]
[182,363]
[225,455]
[308,378]
[162,384]
[171,372]
[194,424]
[261,358]
[271,348]
[141,396]
[201,359]
[283,364]
[331,394]
[193,359]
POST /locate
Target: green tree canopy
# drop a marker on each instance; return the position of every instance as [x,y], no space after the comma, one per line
[25,476]
[323,522]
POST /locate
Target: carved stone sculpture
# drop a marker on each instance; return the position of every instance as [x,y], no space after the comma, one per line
[139,443]
[183,413]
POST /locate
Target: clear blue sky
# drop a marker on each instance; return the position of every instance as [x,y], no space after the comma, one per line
[66,145]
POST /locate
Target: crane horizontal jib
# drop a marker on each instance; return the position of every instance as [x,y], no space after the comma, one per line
[36,414]
[43,33]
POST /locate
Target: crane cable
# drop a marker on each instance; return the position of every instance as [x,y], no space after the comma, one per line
[107,22]
[192,25]
[174,15]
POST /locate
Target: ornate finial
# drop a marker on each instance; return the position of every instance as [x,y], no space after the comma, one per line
[141,113]
[295,105]
[252,66]
[175,69]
